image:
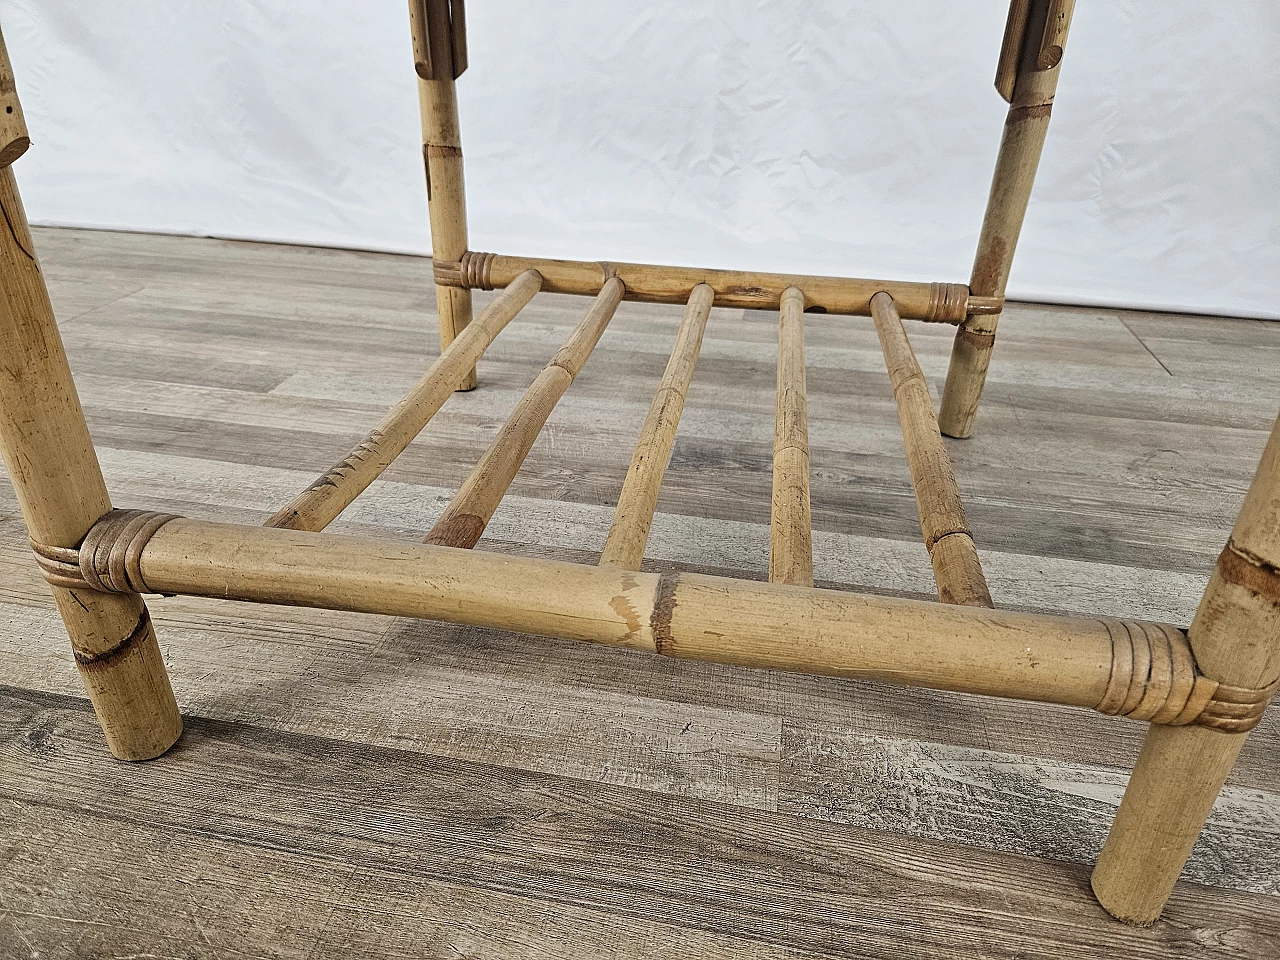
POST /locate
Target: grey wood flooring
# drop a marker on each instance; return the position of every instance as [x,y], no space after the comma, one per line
[354,786]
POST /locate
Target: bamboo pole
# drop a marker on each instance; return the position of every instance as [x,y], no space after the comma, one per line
[1054,38]
[1235,638]
[317,506]
[55,474]
[790,526]
[14,139]
[471,509]
[435,37]
[956,568]
[1020,147]
[716,619]
[649,283]
[1015,30]
[629,533]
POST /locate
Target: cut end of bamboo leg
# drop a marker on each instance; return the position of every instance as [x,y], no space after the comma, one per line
[127,682]
[967,376]
[1114,905]
[1181,769]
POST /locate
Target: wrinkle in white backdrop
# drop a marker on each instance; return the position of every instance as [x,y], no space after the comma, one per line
[850,138]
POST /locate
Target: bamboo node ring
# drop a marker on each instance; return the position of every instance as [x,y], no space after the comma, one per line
[1154,677]
[1246,569]
[109,558]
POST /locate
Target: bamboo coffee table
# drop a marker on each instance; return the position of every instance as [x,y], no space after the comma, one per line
[1201,690]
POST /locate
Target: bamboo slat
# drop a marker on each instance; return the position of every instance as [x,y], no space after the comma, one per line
[1019,157]
[55,474]
[790,527]
[648,283]
[439,32]
[470,511]
[1015,29]
[1235,639]
[715,619]
[629,533]
[956,568]
[421,39]
[458,36]
[317,506]
[440,38]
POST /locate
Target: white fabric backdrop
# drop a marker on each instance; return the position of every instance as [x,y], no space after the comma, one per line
[851,137]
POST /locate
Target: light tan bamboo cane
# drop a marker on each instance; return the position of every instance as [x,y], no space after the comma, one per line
[1015,30]
[1054,38]
[1020,147]
[790,526]
[14,139]
[698,617]
[55,474]
[438,48]
[629,533]
[471,509]
[956,568]
[1235,638]
[648,283]
[317,506]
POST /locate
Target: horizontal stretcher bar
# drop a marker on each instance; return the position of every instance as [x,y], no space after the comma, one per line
[935,302]
[1142,670]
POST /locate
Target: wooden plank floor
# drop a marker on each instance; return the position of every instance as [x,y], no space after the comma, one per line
[370,787]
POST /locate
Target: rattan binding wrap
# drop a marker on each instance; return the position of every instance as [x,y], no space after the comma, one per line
[109,559]
[471,272]
[948,302]
[1154,677]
